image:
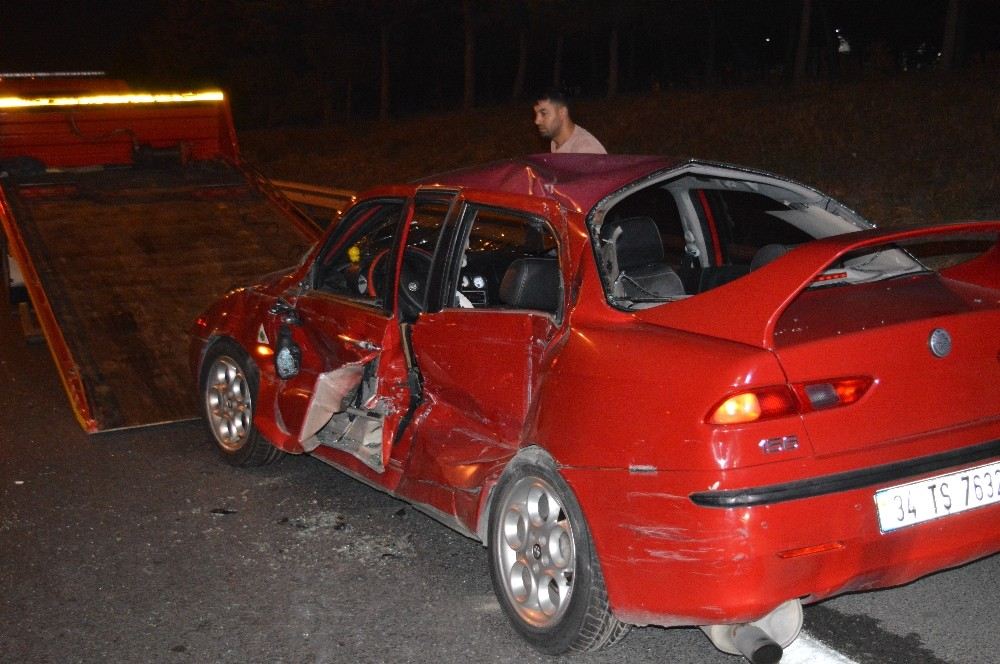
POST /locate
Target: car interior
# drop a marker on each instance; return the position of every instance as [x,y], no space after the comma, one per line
[510,261]
[684,235]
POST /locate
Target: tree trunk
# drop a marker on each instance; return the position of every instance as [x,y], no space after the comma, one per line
[349,98]
[613,63]
[328,97]
[469,100]
[949,48]
[709,45]
[517,91]
[557,61]
[829,58]
[383,108]
[802,52]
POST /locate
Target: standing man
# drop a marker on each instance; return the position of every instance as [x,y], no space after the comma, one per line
[554,123]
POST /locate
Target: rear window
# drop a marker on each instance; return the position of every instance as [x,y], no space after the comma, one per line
[919,278]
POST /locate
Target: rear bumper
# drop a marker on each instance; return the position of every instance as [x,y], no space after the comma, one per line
[866,477]
[669,561]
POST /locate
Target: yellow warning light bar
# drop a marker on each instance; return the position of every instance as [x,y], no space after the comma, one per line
[96,100]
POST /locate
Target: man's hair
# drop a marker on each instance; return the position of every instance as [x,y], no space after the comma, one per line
[554,95]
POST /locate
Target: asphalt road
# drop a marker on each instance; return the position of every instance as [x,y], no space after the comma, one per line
[142,546]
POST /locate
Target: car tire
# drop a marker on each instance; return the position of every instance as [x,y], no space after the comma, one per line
[543,566]
[228,388]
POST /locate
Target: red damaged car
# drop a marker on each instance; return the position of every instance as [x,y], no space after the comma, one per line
[659,392]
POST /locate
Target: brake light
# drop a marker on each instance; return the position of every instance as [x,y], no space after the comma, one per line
[753,405]
[782,400]
[830,276]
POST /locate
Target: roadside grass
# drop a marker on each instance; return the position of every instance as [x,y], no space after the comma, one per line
[909,149]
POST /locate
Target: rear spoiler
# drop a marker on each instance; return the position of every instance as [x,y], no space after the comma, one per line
[762,296]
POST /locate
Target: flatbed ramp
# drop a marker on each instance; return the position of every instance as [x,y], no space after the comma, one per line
[118,263]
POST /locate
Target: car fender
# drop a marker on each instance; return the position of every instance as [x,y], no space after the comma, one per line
[531,454]
[239,316]
[633,395]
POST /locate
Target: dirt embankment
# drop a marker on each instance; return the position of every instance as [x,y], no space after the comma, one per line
[912,149]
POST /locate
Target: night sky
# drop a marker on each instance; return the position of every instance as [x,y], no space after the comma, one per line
[289,62]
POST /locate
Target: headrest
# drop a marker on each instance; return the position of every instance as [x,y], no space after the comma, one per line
[532,283]
[638,243]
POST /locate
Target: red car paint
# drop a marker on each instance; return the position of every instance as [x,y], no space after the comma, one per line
[693,523]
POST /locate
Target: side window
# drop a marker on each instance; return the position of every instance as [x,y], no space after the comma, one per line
[357,264]
[509,261]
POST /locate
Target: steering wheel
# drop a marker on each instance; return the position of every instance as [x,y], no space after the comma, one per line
[412,278]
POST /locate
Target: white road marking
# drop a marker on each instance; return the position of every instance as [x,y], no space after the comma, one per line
[807,650]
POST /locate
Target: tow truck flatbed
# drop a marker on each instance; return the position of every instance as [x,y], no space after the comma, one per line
[119,256]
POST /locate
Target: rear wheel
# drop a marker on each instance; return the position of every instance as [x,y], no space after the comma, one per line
[543,566]
[228,386]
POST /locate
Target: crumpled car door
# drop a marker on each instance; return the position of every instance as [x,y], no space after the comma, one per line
[347,388]
[481,365]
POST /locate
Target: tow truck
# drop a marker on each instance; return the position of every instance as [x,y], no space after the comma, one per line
[124,213]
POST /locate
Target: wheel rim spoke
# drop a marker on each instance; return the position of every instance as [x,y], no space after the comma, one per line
[228,403]
[536,552]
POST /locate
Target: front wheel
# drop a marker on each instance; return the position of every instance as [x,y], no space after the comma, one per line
[228,386]
[543,566]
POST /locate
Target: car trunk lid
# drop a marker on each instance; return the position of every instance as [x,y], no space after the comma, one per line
[930,345]
[876,326]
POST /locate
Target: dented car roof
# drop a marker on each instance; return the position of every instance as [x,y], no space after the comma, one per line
[578,181]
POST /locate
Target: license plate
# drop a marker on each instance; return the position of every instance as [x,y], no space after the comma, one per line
[936,497]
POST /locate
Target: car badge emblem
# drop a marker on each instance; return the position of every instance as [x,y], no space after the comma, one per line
[940,342]
[782,444]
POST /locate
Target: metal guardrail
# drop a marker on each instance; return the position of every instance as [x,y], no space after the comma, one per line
[328,201]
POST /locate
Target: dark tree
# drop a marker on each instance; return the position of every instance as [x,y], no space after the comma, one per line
[802,50]
[952,36]
[384,90]
[521,13]
[709,45]
[469,29]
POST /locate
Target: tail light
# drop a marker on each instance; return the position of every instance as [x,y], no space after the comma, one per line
[830,394]
[766,403]
[760,404]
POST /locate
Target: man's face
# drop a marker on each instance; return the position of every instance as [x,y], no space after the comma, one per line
[549,118]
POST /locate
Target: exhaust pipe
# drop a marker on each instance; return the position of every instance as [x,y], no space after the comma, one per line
[754,644]
[762,641]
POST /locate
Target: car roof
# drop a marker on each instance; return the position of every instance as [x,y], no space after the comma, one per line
[578,181]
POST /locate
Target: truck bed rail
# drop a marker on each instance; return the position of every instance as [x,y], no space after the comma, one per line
[321,203]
